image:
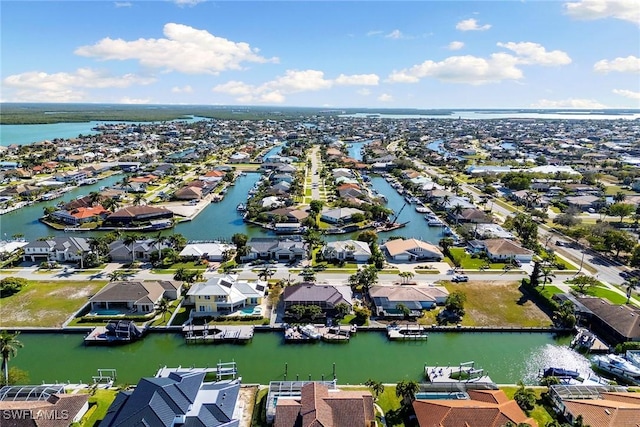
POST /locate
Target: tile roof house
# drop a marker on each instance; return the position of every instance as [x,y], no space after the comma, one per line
[414,297]
[135,296]
[319,406]
[277,249]
[56,410]
[501,250]
[412,250]
[182,398]
[615,409]
[347,250]
[131,214]
[325,296]
[484,408]
[224,294]
[614,323]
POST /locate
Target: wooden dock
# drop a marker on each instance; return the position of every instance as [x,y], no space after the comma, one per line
[206,334]
[407,332]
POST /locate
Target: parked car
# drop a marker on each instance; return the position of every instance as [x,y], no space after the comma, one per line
[460,278]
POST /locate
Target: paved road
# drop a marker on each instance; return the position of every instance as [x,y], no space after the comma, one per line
[314,156]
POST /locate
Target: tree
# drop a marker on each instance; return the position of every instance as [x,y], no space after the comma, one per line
[130,240]
[115,275]
[634,260]
[376,387]
[457,211]
[11,285]
[110,204]
[315,206]
[94,198]
[583,282]
[313,238]
[239,240]
[564,315]
[446,243]
[364,278]
[525,397]
[266,273]
[308,274]
[631,284]
[342,309]
[368,236]
[525,228]
[406,390]
[159,240]
[618,241]
[619,197]
[547,275]
[406,276]
[177,241]
[9,346]
[621,209]
[163,308]
[455,303]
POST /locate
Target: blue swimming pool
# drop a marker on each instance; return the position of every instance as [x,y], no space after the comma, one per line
[247,310]
[106,312]
[441,396]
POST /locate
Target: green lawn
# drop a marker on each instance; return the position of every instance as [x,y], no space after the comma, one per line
[98,405]
[46,303]
[605,293]
[539,412]
[181,317]
[467,262]
[191,265]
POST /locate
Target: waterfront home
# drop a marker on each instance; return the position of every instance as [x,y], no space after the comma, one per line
[492,231]
[613,323]
[416,298]
[180,398]
[412,250]
[291,214]
[501,250]
[56,249]
[339,215]
[224,294]
[80,215]
[270,248]
[271,202]
[239,157]
[469,215]
[315,404]
[211,251]
[141,250]
[135,297]
[21,405]
[599,406]
[483,408]
[347,250]
[324,296]
[136,214]
[71,176]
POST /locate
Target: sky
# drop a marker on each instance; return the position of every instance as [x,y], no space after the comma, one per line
[378,54]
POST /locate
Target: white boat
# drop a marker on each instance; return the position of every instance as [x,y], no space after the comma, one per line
[618,366]
[310,331]
[434,221]
[633,356]
[422,209]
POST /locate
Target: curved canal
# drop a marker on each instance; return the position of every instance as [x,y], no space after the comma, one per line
[506,357]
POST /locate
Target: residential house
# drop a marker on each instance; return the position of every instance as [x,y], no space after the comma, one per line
[290,214]
[412,250]
[492,231]
[275,249]
[41,405]
[142,250]
[81,215]
[56,249]
[501,250]
[347,250]
[598,406]
[339,215]
[469,215]
[415,297]
[137,214]
[585,203]
[318,406]
[484,408]
[180,398]
[211,251]
[239,158]
[324,296]
[224,294]
[134,296]
[613,323]
[71,176]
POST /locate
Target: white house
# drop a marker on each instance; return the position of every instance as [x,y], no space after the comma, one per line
[502,250]
[347,250]
[224,294]
[60,249]
[334,216]
[412,250]
[209,251]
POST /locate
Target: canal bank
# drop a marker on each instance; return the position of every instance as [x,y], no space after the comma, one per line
[506,357]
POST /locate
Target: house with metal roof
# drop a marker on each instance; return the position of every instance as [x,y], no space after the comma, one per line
[224,294]
[324,296]
[412,250]
[347,250]
[181,398]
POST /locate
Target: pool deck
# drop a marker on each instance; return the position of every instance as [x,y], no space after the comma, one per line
[206,334]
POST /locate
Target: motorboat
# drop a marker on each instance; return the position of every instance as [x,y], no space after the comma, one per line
[618,366]
[584,339]
[560,373]
[633,356]
[310,331]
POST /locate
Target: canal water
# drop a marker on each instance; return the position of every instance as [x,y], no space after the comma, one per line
[505,357]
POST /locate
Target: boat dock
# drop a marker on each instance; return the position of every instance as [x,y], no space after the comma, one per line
[310,333]
[208,334]
[115,332]
[587,341]
[463,373]
[407,332]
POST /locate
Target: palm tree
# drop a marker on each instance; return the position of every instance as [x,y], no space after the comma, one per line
[457,211]
[631,284]
[130,240]
[115,275]
[138,199]
[406,276]
[158,241]
[406,390]
[111,204]
[547,275]
[163,308]
[619,197]
[376,387]
[9,346]
[266,273]
[94,198]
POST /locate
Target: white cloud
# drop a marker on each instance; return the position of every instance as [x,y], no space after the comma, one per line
[184,89]
[123,4]
[463,69]
[568,103]
[293,81]
[128,100]
[534,53]
[374,33]
[471,25]
[185,49]
[455,45]
[395,34]
[627,93]
[630,64]
[364,91]
[385,97]
[358,80]
[626,10]
[188,2]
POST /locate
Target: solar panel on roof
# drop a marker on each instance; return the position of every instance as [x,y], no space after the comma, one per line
[260,287]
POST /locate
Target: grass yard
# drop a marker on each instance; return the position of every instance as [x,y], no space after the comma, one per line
[539,412]
[98,405]
[191,265]
[604,293]
[46,303]
[467,262]
[499,304]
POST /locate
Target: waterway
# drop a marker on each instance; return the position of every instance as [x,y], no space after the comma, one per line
[505,357]
[491,115]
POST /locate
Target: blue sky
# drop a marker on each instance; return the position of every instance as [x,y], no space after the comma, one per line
[379,54]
